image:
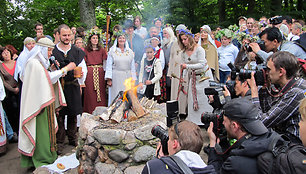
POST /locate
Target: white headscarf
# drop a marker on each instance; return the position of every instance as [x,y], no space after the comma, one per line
[208,30]
[38,52]
[20,63]
[114,47]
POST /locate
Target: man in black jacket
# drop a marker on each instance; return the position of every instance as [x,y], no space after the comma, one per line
[185,142]
[252,138]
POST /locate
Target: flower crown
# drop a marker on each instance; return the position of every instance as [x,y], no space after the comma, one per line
[149,46]
[242,35]
[169,25]
[92,32]
[234,27]
[224,32]
[186,32]
[119,33]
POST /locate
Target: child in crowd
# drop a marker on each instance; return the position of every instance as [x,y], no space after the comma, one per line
[150,73]
[227,53]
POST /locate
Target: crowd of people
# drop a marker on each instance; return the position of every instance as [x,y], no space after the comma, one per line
[76,70]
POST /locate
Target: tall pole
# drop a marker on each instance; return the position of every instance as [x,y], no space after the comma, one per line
[107,30]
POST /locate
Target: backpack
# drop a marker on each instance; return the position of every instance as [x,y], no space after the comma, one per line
[282,157]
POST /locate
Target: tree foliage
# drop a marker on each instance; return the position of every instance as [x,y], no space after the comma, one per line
[18,18]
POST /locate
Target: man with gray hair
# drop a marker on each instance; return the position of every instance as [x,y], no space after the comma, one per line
[295,31]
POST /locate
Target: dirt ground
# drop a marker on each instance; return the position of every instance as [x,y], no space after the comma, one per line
[10,162]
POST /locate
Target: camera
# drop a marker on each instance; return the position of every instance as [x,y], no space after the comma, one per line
[261,44]
[260,75]
[172,118]
[162,134]
[276,20]
[217,119]
[172,113]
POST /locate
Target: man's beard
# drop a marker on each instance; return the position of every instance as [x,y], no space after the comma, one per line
[63,41]
[165,41]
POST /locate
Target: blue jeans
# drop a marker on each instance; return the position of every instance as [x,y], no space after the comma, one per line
[223,75]
[9,130]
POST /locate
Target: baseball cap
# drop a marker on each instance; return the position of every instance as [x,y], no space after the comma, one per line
[245,112]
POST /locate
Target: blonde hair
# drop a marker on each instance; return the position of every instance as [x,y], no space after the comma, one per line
[302,108]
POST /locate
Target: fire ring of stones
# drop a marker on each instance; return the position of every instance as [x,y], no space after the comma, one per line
[113,147]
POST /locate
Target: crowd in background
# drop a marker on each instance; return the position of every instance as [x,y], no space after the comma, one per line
[167,63]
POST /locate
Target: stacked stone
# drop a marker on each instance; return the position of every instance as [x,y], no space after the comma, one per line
[117,148]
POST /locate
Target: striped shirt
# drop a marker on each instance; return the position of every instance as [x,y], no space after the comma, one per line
[281,113]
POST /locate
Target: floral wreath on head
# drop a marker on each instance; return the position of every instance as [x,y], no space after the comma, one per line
[119,33]
[242,35]
[92,32]
[169,25]
[234,28]
[149,46]
[224,32]
[186,32]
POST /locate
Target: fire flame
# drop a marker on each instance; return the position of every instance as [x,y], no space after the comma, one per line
[129,85]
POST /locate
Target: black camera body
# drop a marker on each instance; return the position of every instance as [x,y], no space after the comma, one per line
[261,44]
[276,20]
[230,85]
[172,118]
[260,75]
[162,134]
[217,118]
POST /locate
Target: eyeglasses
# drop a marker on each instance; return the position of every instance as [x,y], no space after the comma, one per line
[176,129]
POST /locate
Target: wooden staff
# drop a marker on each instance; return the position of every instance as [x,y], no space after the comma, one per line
[107,30]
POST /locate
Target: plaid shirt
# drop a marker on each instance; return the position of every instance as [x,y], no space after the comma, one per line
[281,113]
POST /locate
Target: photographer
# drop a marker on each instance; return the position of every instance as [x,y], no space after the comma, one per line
[280,110]
[240,122]
[274,42]
[185,143]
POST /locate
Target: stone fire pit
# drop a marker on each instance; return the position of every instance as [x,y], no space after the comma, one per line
[106,147]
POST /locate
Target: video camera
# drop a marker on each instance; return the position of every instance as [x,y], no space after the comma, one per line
[172,118]
[276,20]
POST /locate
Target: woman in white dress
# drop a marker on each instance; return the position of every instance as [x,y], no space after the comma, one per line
[196,74]
[120,66]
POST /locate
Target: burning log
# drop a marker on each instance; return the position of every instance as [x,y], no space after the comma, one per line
[135,104]
[118,112]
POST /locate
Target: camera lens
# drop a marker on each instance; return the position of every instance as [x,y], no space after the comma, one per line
[160,133]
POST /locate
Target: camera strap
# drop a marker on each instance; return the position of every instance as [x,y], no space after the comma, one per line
[285,89]
[181,164]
